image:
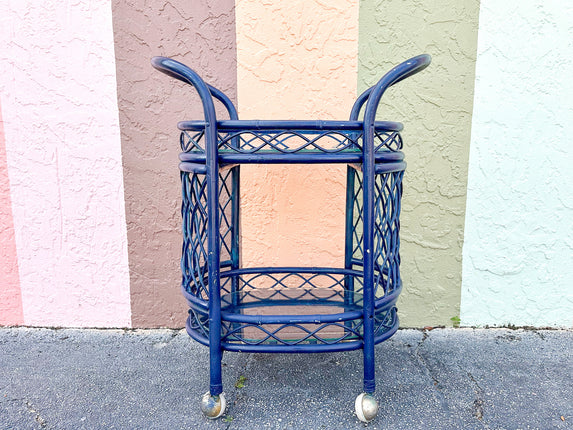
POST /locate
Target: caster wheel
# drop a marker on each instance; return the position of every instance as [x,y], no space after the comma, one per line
[366,407]
[213,406]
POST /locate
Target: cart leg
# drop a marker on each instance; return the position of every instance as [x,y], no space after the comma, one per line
[213,403]
[368,290]
[366,406]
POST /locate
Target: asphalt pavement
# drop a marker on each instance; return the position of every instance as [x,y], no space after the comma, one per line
[154,379]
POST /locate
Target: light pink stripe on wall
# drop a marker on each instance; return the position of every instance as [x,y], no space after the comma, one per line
[10,297]
[57,78]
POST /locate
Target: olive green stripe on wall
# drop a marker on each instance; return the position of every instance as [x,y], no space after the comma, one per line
[436,109]
[202,35]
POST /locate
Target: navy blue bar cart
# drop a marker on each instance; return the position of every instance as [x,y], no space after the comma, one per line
[290,309]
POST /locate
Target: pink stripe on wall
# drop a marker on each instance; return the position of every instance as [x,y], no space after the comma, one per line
[10,297]
[57,78]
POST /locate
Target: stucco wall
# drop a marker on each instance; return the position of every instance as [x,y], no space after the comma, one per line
[202,35]
[296,60]
[57,80]
[10,297]
[436,108]
[84,116]
[518,250]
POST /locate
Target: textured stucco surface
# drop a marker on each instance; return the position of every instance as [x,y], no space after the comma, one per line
[64,247]
[296,60]
[10,298]
[201,34]
[57,80]
[518,250]
[435,107]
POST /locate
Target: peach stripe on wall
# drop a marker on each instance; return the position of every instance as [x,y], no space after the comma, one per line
[296,60]
[10,297]
[57,78]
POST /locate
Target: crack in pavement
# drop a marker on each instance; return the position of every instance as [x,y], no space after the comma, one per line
[424,363]
[38,418]
[20,399]
[438,394]
[478,407]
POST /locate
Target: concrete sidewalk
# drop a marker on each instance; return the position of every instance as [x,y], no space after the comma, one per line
[153,379]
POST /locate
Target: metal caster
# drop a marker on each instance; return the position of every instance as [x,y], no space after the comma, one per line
[366,407]
[213,406]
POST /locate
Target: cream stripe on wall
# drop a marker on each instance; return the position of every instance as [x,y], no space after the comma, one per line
[59,103]
[518,249]
[296,60]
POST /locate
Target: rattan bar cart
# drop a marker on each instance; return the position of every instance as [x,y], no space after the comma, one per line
[290,309]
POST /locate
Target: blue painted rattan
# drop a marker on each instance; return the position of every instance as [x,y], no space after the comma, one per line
[259,309]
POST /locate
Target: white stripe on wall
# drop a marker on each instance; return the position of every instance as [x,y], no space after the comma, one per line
[518,249]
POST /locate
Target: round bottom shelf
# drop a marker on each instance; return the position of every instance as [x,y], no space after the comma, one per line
[287,311]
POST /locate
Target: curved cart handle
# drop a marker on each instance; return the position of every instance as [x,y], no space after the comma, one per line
[180,71]
[373,94]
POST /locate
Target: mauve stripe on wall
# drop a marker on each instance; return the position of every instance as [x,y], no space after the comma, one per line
[202,35]
[10,297]
[57,79]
